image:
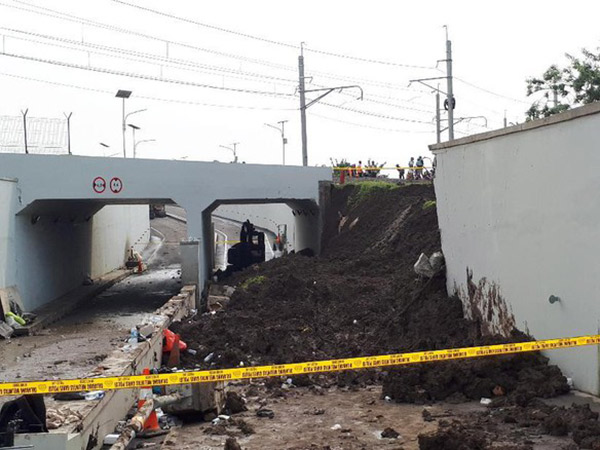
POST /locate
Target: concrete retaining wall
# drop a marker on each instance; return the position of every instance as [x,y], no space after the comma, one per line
[519,213]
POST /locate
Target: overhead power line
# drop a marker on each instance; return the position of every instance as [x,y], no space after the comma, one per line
[158,99]
[347,122]
[468,83]
[265,40]
[47,12]
[372,114]
[143,76]
[59,15]
[147,58]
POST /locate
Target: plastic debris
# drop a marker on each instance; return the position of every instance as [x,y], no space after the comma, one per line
[263,412]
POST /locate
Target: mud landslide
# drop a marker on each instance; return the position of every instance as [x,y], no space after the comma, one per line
[362,297]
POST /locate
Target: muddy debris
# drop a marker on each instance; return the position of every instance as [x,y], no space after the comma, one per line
[234,403]
[361,297]
[453,437]
[232,444]
[390,433]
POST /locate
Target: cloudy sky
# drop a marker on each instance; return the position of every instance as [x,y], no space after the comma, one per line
[214,73]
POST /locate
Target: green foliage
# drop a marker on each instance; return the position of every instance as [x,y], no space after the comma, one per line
[429,204]
[366,189]
[258,280]
[576,84]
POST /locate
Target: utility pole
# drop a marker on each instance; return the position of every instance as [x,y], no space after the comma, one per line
[282,131]
[302,92]
[304,106]
[438,119]
[25,128]
[450,93]
[234,150]
[68,131]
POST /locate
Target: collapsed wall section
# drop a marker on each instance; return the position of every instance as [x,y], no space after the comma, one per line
[519,212]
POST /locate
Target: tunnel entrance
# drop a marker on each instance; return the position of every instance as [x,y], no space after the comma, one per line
[70,243]
[281,227]
[69,259]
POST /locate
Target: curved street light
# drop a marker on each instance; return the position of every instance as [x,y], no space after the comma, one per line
[141,142]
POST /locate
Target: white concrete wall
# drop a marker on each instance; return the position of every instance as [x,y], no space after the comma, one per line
[520,209]
[116,228]
[8,200]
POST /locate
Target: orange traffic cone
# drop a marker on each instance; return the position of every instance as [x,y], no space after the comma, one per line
[151,426]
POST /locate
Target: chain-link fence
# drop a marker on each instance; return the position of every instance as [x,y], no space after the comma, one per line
[44,135]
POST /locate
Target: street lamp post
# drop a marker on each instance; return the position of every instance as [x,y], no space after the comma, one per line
[234,150]
[282,131]
[133,130]
[123,95]
[141,142]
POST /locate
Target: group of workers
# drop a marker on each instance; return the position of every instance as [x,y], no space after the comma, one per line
[416,170]
[369,170]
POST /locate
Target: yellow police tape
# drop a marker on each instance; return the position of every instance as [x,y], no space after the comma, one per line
[243,373]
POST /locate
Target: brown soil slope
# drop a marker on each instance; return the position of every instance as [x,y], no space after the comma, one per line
[362,297]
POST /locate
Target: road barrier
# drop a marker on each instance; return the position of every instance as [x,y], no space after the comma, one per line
[305,368]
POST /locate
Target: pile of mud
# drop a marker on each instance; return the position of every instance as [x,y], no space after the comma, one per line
[362,297]
[516,428]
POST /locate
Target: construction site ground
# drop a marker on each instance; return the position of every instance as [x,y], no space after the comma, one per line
[338,418]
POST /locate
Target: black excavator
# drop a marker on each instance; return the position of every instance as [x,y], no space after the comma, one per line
[250,250]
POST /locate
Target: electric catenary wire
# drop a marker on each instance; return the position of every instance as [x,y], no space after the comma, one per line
[266,40]
[143,76]
[144,97]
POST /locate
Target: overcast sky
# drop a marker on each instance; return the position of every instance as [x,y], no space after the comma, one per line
[496,46]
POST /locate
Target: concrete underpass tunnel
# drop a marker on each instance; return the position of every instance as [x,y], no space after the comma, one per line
[59,243]
[297,221]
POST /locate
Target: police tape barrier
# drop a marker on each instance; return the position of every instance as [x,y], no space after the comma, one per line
[244,373]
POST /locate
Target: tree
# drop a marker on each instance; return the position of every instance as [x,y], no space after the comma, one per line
[574,85]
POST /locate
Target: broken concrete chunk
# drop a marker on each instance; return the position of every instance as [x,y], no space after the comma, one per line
[423,267]
[5,330]
[428,267]
[437,261]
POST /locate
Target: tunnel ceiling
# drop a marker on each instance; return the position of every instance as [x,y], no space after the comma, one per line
[83,208]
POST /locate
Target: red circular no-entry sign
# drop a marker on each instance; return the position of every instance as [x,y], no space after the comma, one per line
[99,185]
[116,185]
